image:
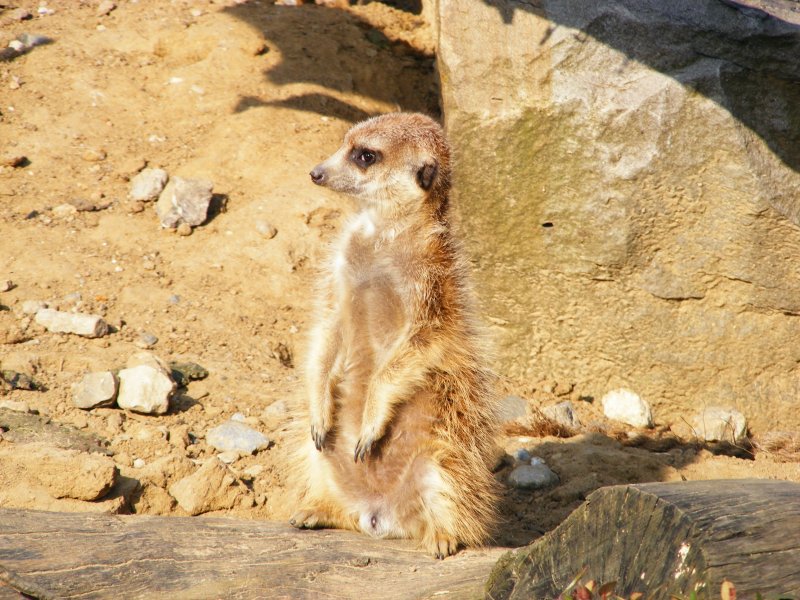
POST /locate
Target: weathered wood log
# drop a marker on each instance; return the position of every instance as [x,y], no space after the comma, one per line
[667,538]
[65,555]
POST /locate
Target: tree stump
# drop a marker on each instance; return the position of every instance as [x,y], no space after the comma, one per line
[667,538]
[72,555]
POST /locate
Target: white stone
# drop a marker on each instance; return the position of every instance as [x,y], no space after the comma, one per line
[627,407]
[95,389]
[145,389]
[31,307]
[92,326]
[716,423]
[238,437]
[148,184]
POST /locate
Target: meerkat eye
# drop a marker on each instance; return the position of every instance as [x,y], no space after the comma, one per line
[366,157]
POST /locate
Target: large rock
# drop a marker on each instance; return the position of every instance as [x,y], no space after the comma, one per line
[61,473]
[212,487]
[627,178]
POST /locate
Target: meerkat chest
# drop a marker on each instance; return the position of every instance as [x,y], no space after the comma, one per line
[372,285]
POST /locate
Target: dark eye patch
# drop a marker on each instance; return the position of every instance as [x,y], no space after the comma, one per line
[364,157]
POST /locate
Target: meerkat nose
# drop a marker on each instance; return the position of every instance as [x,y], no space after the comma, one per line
[318,175]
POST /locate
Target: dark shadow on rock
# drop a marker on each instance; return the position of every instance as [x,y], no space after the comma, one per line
[755,43]
[584,464]
[358,59]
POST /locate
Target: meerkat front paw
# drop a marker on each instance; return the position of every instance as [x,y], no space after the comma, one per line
[321,421]
[368,438]
[442,546]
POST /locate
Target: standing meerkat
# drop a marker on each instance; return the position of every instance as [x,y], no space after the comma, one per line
[402,408]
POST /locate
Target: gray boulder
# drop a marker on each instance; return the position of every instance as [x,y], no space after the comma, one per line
[627,173]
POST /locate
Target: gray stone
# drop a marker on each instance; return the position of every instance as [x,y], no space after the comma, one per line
[238,437]
[91,326]
[95,390]
[716,423]
[627,407]
[184,201]
[532,477]
[146,340]
[513,408]
[148,184]
[145,389]
[580,172]
[522,455]
[563,413]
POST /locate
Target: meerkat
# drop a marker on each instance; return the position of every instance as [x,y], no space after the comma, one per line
[402,407]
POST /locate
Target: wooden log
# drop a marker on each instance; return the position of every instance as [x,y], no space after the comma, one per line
[67,555]
[667,538]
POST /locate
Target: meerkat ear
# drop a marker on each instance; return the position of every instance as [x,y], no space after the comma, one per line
[427,173]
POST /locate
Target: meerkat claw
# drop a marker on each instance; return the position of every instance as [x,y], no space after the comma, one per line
[362,449]
[318,437]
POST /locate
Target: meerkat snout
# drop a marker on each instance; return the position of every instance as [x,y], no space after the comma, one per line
[318,175]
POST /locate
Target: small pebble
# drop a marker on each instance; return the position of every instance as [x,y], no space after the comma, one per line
[15,83]
[147,185]
[31,307]
[238,417]
[139,463]
[522,455]
[532,477]
[229,457]
[64,211]
[627,407]
[146,340]
[105,7]
[174,299]
[6,285]
[184,229]
[266,229]
[20,14]
[563,413]
[94,155]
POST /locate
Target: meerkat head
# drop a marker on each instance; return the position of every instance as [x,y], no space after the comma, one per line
[393,161]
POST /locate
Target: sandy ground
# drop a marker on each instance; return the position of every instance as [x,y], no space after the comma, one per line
[250,96]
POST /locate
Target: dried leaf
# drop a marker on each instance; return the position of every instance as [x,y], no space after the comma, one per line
[607,589]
